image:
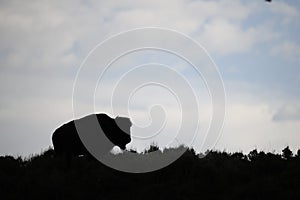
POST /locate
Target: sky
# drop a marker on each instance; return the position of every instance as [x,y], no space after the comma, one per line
[255,45]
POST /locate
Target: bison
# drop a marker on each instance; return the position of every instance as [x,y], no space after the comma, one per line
[66,140]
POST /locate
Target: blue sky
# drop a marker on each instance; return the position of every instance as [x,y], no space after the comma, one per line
[255,44]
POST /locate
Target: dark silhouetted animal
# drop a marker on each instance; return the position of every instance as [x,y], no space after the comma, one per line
[66,140]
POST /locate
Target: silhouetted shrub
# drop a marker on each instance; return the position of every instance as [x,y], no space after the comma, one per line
[287,153]
[298,153]
[253,155]
[153,147]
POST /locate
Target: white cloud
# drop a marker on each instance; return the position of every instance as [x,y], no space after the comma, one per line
[224,37]
[39,34]
[287,113]
[288,13]
[229,10]
[288,50]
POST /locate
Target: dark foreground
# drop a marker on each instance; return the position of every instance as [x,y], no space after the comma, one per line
[219,175]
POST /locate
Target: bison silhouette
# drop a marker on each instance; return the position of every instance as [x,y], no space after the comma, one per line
[66,140]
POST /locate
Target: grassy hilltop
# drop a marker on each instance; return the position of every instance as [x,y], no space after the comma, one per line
[219,175]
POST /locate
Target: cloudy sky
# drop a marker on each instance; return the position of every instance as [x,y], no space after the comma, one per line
[255,45]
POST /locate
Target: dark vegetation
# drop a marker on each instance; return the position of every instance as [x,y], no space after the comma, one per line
[218,175]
